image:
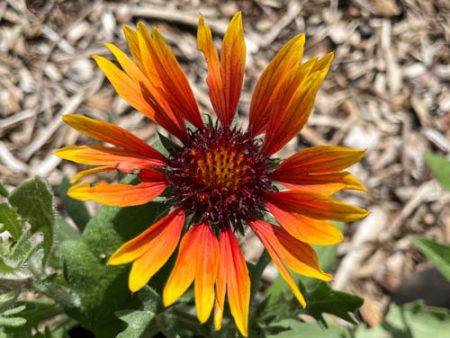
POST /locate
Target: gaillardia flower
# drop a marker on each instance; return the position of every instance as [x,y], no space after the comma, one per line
[219,179]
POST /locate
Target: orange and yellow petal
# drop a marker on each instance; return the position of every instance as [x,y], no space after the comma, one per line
[183,273]
[164,71]
[272,81]
[306,229]
[131,38]
[233,269]
[198,259]
[207,265]
[150,250]
[205,44]
[296,255]
[120,159]
[118,194]
[327,184]
[139,97]
[225,78]
[91,171]
[288,122]
[318,160]
[315,205]
[110,133]
[265,233]
[137,246]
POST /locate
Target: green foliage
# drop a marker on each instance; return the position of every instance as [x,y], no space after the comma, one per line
[9,312]
[10,221]
[438,254]
[440,168]
[33,201]
[168,145]
[138,321]
[410,320]
[76,209]
[3,191]
[103,289]
[291,328]
[326,300]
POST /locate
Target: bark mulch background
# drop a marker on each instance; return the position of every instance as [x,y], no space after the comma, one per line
[388,92]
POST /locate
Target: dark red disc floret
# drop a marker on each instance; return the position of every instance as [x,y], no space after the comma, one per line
[219,176]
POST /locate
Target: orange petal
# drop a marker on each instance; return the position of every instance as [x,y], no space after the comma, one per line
[327,184]
[133,44]
[221,281]
[270,83]
[232,61]
[214,79]
[162,231]
[163,113]
[288,123]
[232,265]
[92,171]
[118,194]
[198,258]
[317,160]
[315,205]
[184,271]
[265,233]
[224,83]
[137,95]
[122,160]
[207,265]
[112,134]
[150,250]
[298,256]
[306,229]
[170,76]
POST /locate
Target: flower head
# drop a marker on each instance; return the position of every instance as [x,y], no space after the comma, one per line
[219,177]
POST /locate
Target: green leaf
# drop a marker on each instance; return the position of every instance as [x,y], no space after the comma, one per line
[8,218]
[103,289]
[37,311]
[64,231]
[33,200]
[76,209]
[3,191]
[168,144]
[158,145]
[440,167]
[292,328]
[438,254]
[139,320]
[12,321]
[326,300]
[411,320]
[256,272]
[14,310]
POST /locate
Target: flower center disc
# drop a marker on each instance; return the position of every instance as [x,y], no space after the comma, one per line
[219,176]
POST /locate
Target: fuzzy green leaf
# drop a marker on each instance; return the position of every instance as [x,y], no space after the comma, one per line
[10,221]
[103,289]
[76,209]
[139,320]
[33,200]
